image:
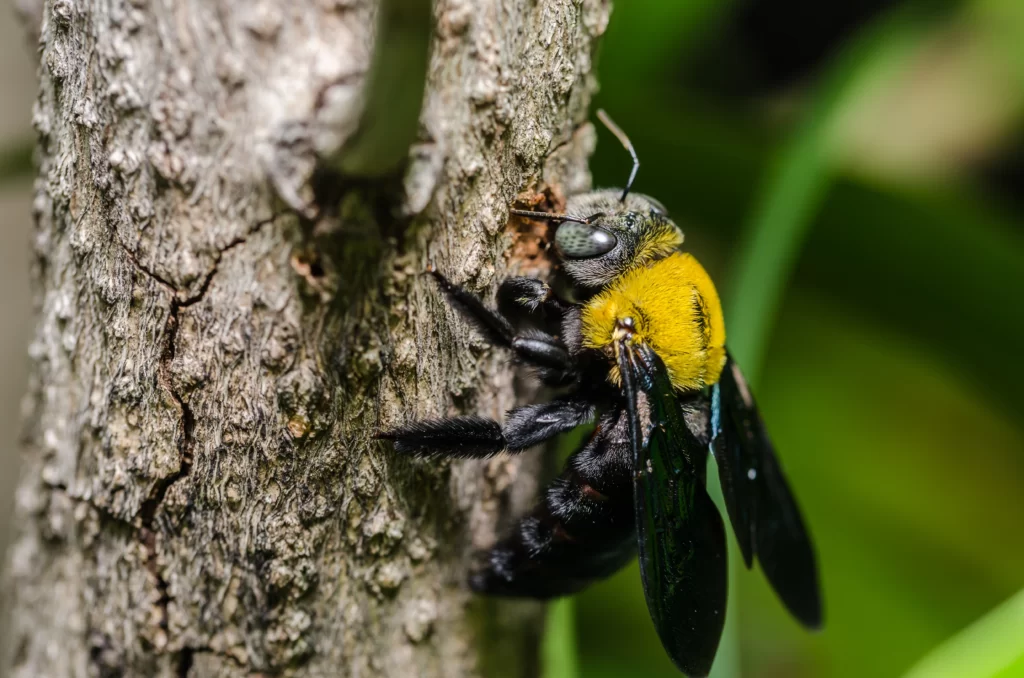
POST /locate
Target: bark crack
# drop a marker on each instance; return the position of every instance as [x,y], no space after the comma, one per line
[138,265]
[186,440]
[185,659]
[186,655]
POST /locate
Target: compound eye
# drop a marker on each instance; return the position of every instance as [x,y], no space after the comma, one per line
[583,241]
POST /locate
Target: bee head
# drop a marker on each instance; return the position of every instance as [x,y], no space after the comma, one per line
[604,236]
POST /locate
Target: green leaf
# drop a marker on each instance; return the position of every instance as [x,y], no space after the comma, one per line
[559,653]
[992,647]
[791,195]
[796,184]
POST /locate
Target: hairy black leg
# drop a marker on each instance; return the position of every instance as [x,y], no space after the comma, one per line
[582,530]
[533,424]
[555,365]
[530,294]
[475,437]
[494,327]
[464,437]
[534,347]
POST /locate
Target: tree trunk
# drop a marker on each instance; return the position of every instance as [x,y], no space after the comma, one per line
[227,310]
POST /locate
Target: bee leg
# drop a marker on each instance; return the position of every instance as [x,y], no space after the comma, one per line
[493,326]
[530,294]
[535,347]
[548,354]
[581,531]
[477,437]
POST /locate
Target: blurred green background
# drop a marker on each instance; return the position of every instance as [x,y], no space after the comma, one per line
[852,173]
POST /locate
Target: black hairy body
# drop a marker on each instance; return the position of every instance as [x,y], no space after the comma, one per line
[643,356]
[583,527]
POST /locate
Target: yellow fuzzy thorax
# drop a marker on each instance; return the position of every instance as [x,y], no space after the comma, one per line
[675,310]
[660,241]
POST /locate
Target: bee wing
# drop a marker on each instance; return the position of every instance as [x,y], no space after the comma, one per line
[761,506]
[680,535]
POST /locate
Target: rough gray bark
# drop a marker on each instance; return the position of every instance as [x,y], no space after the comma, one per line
[220,326]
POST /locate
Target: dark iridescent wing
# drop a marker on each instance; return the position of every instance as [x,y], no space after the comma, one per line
[680,535]
[764,514]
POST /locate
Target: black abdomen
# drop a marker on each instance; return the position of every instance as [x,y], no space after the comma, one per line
[583,529]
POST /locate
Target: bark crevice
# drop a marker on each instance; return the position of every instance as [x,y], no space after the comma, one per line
[147,532]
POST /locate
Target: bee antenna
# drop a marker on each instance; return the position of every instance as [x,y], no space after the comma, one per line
[548,216]
[626,143]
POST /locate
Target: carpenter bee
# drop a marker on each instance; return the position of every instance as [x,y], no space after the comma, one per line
[642,352]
